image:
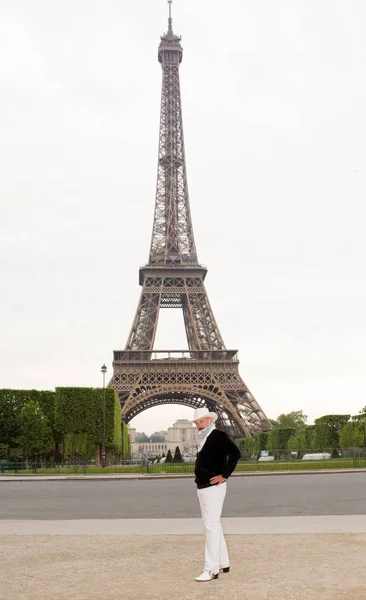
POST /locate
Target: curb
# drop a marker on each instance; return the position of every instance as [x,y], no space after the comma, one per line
[303,525]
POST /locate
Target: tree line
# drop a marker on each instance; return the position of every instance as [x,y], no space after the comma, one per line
[142,438]
[290,433]
[62,425]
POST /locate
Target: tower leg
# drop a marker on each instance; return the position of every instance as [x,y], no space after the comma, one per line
[142,335]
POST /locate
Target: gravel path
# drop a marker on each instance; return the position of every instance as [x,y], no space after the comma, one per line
[264,567]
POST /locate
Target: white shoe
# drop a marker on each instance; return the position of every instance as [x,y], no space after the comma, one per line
[207,576]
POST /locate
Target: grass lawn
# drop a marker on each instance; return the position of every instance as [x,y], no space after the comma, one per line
[171,468]
[303,465]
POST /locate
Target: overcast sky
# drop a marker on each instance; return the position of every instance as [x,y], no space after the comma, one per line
[274,98]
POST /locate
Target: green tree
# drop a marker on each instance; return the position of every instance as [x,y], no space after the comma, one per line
[297,442]
[295,419]
[302,440]
[327,431]
[250,447]
[360,418]
[169,457]
[9,424]
[279,437]
[309,433]
[141,438]
[36,433]
[177,456]
[11,403]
[352,435]
[157,437]
[3,451]
[46,400]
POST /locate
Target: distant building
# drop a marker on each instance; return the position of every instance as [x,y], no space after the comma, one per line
[131,435]
[182,434]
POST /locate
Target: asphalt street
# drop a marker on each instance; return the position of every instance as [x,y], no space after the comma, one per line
[296,495]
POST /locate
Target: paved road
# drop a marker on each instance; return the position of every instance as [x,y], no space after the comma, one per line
[341,494]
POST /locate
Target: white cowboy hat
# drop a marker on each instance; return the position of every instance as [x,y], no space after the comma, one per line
[202,413]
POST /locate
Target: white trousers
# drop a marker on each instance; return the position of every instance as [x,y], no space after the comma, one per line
[211,502]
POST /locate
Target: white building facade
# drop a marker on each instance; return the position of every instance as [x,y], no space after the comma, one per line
[181,434]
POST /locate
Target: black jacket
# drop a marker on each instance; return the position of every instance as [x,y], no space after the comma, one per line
[218,456]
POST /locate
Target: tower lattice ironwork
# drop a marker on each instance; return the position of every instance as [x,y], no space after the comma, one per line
[207,373]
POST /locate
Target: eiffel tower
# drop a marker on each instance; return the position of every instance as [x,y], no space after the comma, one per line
[207,373]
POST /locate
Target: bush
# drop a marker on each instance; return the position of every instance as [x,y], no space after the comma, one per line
[177,456]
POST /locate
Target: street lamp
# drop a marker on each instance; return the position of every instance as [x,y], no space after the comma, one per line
[104,370]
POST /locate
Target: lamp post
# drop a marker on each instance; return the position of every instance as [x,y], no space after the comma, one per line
[104,370]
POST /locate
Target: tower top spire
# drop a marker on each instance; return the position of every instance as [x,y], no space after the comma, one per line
[169,41]
[170,21]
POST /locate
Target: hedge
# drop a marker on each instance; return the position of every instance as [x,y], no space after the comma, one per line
[78,445]
[126,450]
[250,446]
[80,410]
[327,430]
[74,416]
[278,437]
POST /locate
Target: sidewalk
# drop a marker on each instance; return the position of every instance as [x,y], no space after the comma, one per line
[271,559]
[324,524]
[117,476]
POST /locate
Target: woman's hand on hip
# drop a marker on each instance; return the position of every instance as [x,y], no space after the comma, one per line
[217,479]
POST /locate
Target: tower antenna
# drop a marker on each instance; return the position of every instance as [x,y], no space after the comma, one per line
[170,30]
